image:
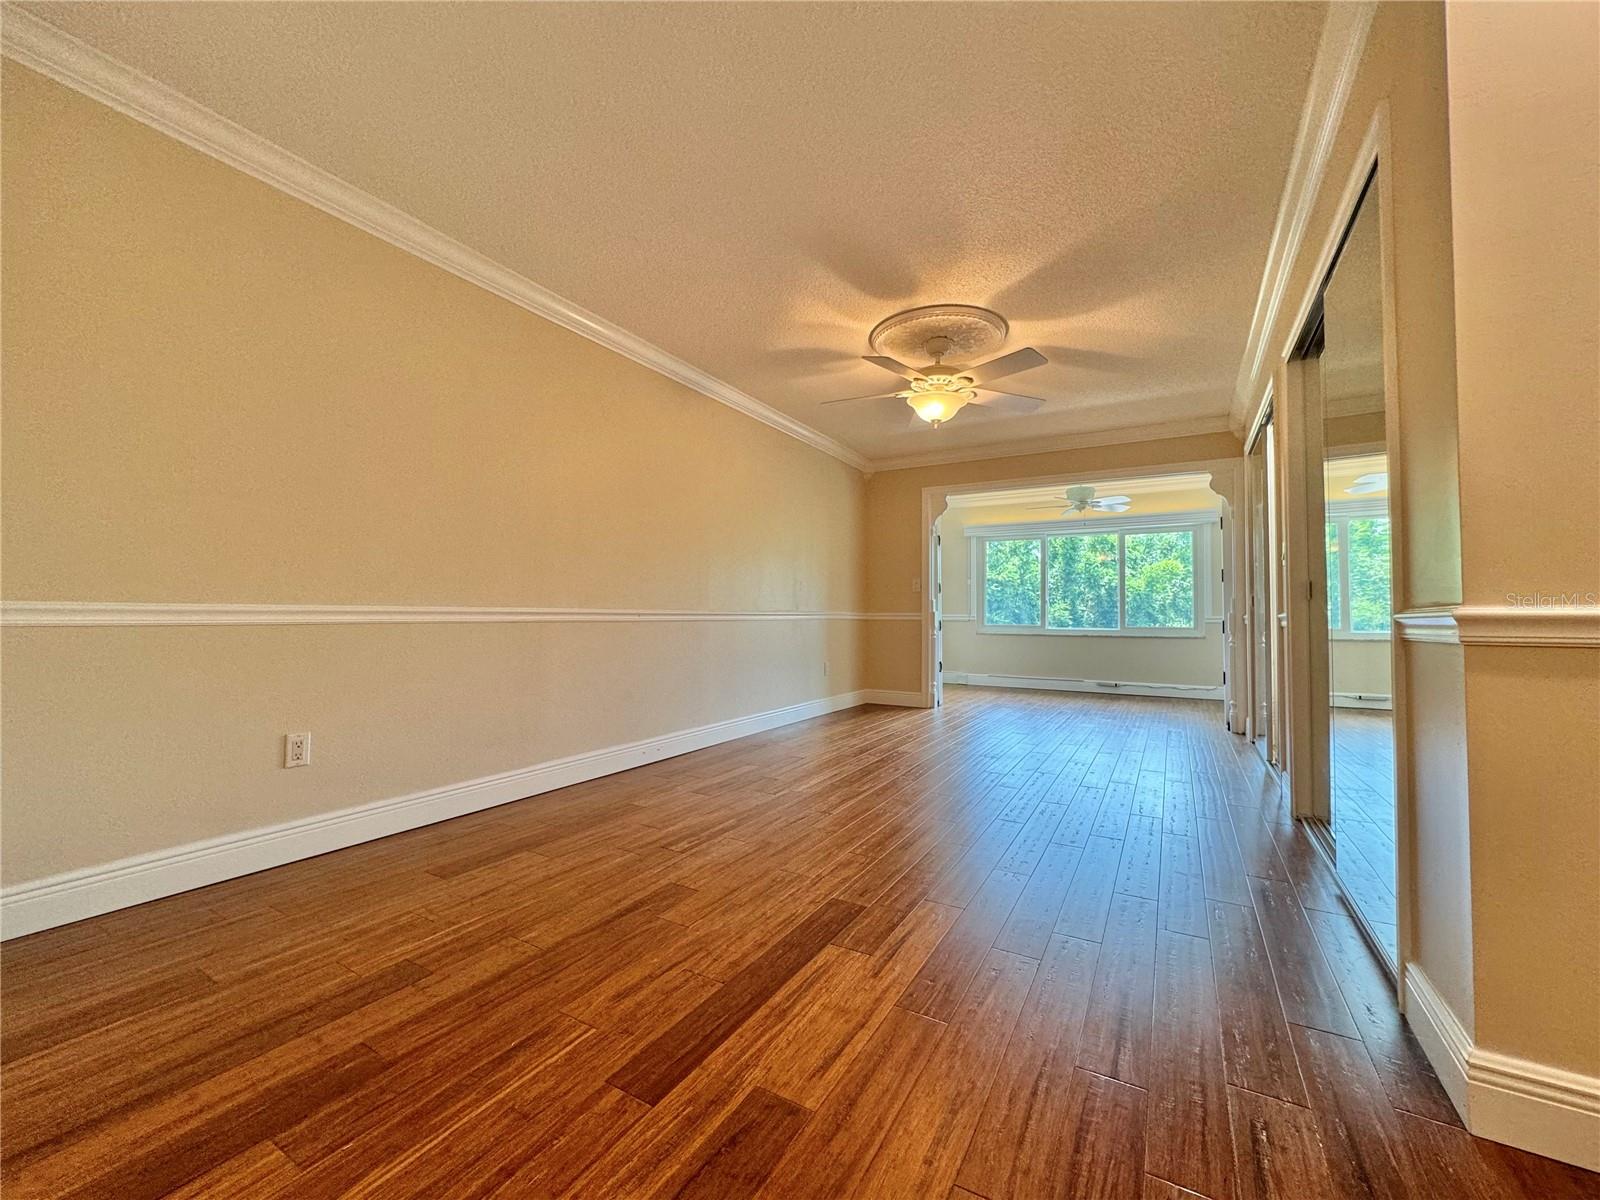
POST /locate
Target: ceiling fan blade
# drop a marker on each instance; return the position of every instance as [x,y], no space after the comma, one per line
[1113,500]
[1006,364]
[872,396]
[892,365]
[1098,507]
[1010,402]
[1373,481]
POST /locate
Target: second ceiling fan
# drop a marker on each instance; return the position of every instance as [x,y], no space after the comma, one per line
[1080,498]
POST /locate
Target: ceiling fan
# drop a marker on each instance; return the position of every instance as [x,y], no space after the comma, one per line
[1365,485]
[1081,499]
[939,391]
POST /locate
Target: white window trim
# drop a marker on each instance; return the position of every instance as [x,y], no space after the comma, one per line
[1341,513]
[1200,524]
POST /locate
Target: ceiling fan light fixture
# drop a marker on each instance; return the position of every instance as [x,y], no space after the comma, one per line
[1080,493]
[937,398]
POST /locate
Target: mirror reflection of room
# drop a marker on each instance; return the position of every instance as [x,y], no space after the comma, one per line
[1355,482]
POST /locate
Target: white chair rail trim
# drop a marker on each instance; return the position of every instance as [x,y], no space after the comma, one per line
[75,612]
[1532,624]
[1427,625]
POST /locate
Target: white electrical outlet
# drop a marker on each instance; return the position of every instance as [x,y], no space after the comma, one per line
[824,668]
[297,749]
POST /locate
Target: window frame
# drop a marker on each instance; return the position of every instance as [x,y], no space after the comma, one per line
[1200,525]
[1339,513]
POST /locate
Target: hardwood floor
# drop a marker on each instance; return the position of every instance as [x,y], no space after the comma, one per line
[1364,814]
[1030,945]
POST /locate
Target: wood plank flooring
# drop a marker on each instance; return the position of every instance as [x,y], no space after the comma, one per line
[1362,746]
[1030,945]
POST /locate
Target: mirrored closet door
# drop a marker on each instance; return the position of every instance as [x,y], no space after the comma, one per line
[1351,494]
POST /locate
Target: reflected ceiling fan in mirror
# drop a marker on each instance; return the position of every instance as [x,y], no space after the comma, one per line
[1365,485]
[1081,499]
[938,391]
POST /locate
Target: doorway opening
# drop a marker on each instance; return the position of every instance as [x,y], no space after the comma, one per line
[1115,586]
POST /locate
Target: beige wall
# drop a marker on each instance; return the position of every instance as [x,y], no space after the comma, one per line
[896,540]
[1359,665]
[213,392]
[1524,127]
[1442,870]
[1180,661]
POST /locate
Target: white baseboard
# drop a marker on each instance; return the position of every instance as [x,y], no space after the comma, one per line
[75,895]
[1362,700]
[1444,1039]
[899,699]
[1534,1107]
[1051,683]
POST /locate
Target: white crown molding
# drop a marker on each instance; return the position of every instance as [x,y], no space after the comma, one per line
[1048,445]
[74,895]
[1533,624]
[41,46]
[1530,1105]
[78,613]
[1427,625]
[37,44]
[1344,36]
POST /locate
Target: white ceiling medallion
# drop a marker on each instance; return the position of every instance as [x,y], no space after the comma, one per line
[966,332]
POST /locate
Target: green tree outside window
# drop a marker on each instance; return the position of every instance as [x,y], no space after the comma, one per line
[1368,549]
[1335,620]
[1159,579]
[1011,582]
[1083,581]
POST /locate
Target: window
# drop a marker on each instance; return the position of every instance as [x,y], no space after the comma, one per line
[1160,570]
[1129,579]
[1359,603]
[1335,578]
[1083,581]
[1011,587]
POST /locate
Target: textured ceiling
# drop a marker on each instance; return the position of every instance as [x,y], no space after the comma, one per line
[752,186]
